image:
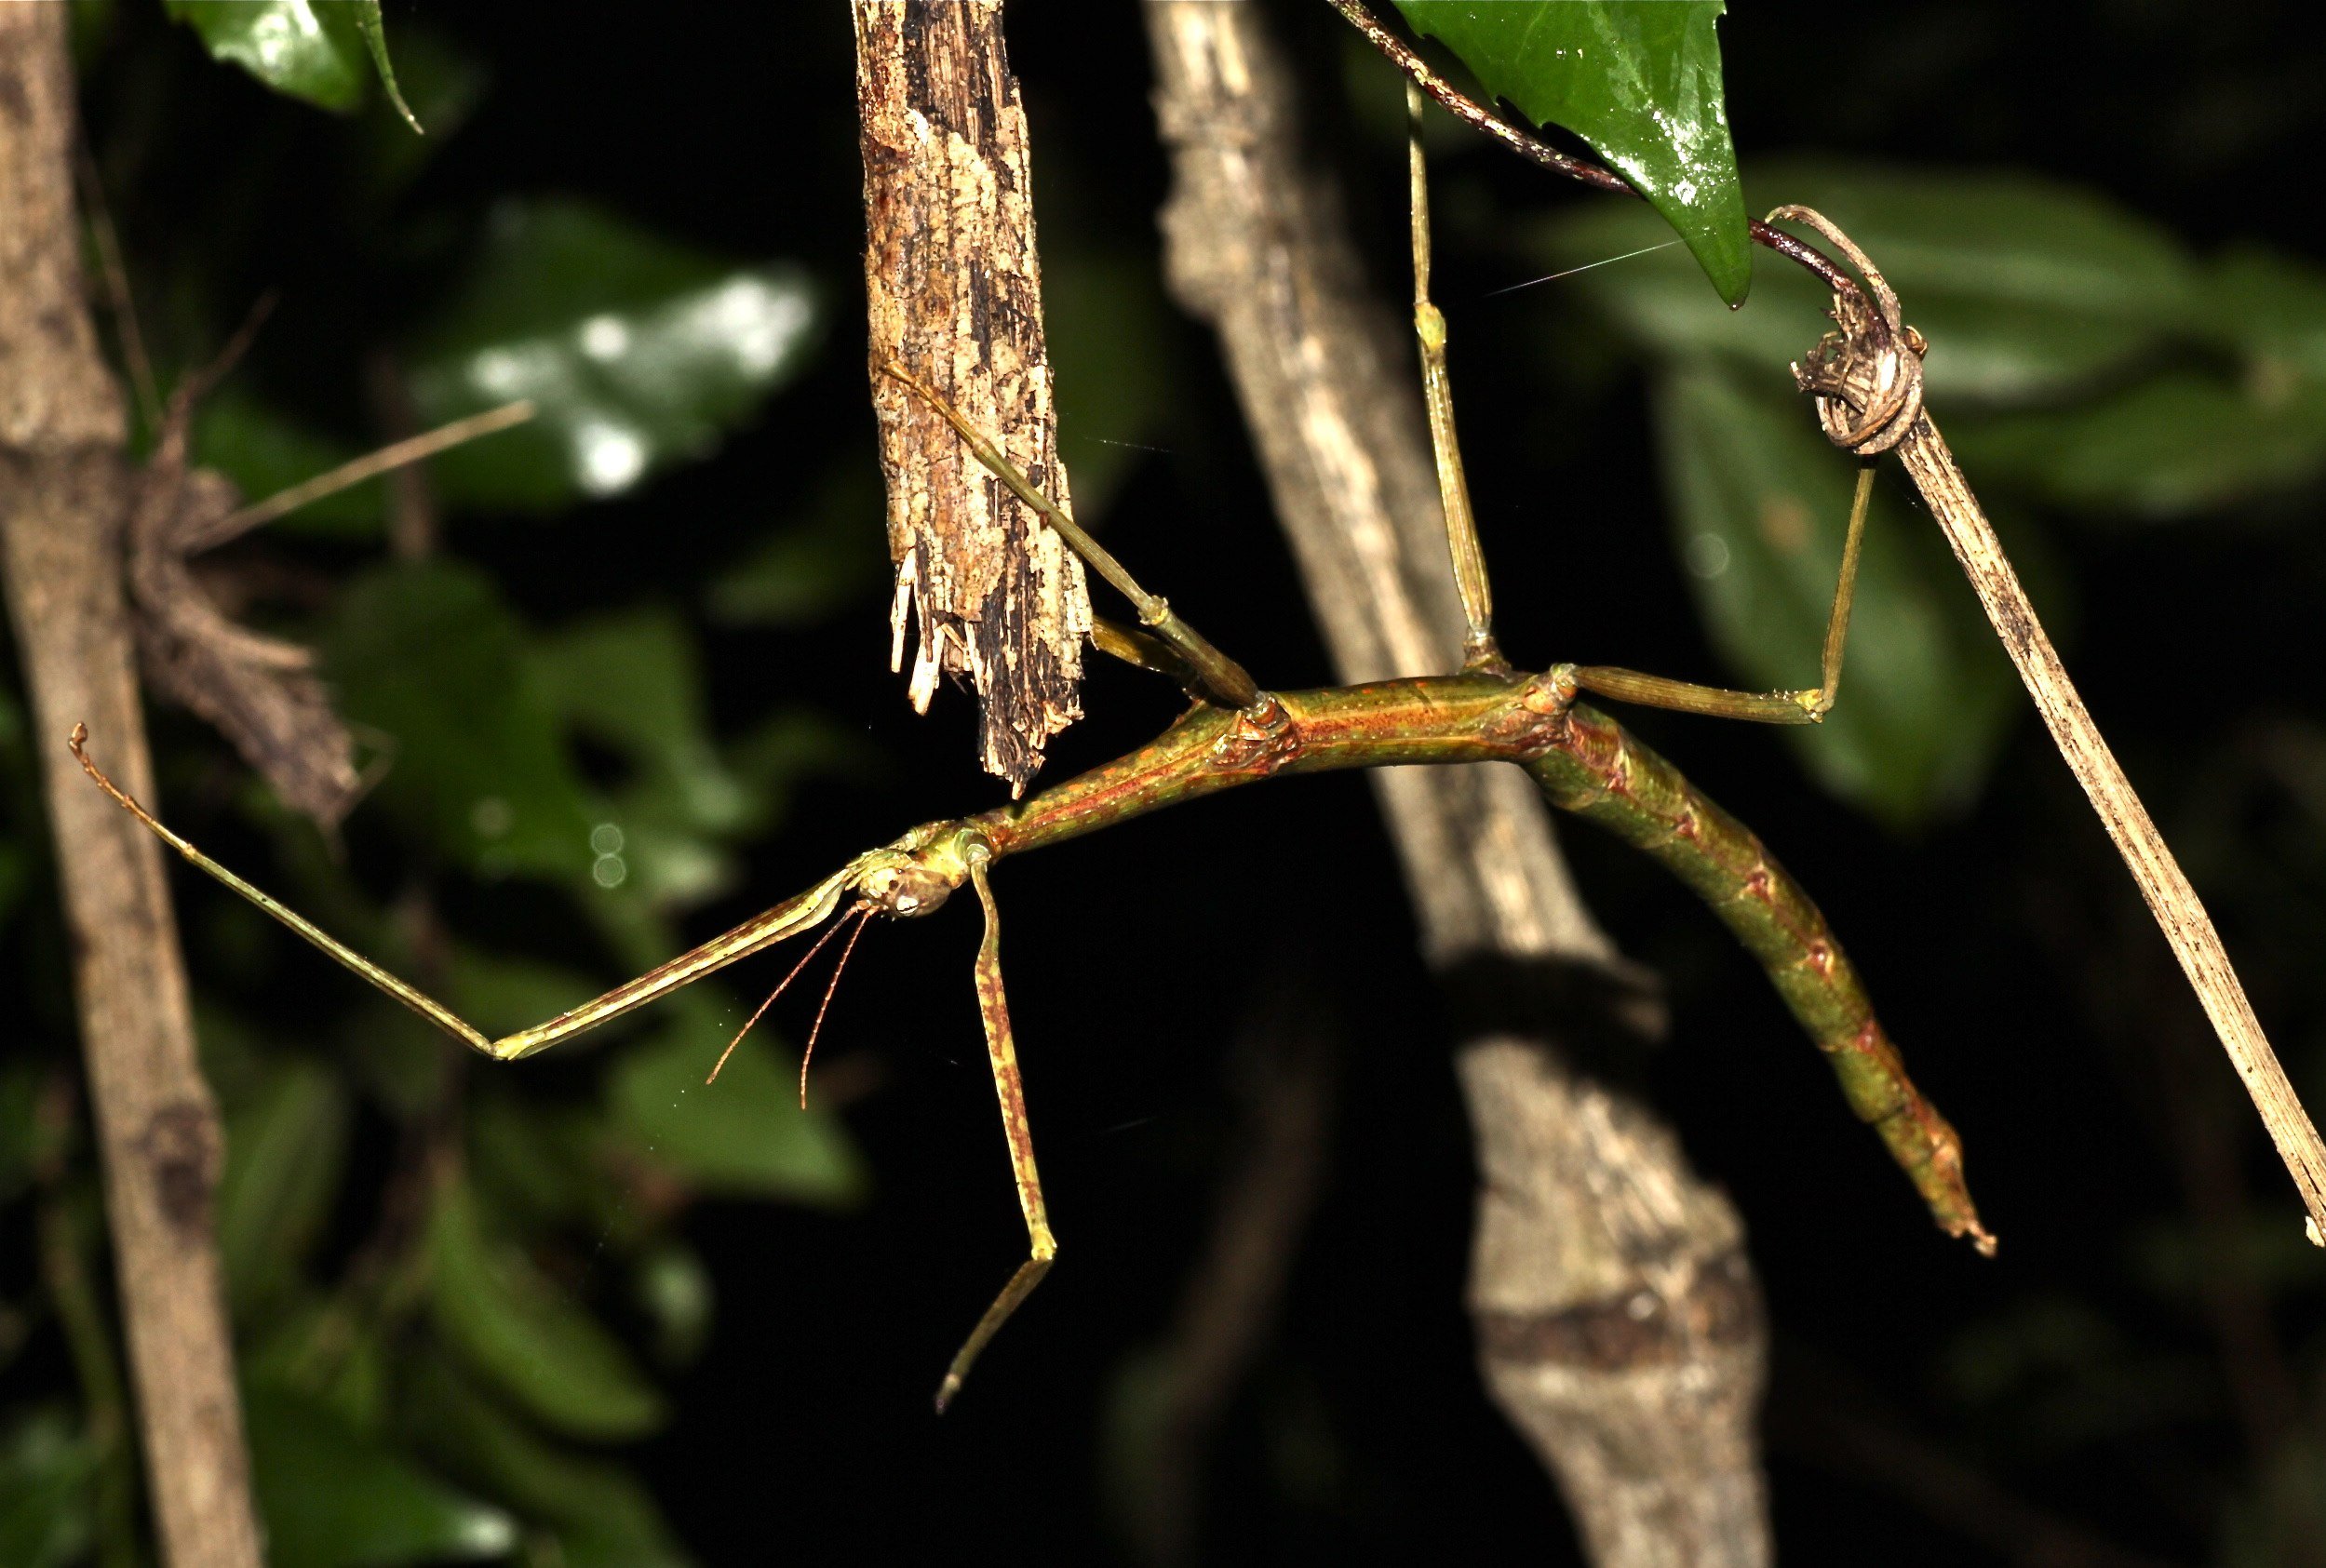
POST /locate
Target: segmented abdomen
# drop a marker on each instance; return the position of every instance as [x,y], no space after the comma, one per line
[1599,771]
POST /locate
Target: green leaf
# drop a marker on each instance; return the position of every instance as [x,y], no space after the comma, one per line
[45,1468]
[803,574]
[1760,501]
[597,1514]
[264,450]
[673,1287]
[2028,290]
[285,1148]
[374,33]
[633,682]
[1637,80]
[428,655]
[334,1498]
[307,49]
[528,1338]
[744,1136]
[2272,309]
[500,993]
[2185,441]
[636,353]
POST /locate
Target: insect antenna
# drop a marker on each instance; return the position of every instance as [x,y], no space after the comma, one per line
[805,958]
[864,919]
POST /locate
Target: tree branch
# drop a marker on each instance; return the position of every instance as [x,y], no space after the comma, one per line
[954,287]
[64,490]
[1587,1212]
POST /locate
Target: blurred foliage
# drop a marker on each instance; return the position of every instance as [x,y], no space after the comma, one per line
[437,1389]
[2086,362]
[1640,83]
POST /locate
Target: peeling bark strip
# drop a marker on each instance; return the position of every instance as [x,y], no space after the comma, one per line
[1584,1197]
[954,289]
[64,492]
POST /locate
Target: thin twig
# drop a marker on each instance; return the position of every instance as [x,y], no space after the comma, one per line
[356,471]
[1866,378]
[118,294]
[1471,112]
[2174,902]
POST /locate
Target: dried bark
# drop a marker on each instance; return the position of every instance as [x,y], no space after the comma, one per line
[64,494]
[1618,1325]
[954,288]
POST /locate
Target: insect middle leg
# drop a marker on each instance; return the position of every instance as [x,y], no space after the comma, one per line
[993,1010]
[1808,706]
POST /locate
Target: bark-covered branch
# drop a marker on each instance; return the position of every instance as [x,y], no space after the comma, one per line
[1619,1324]
[64,492]
[954,287]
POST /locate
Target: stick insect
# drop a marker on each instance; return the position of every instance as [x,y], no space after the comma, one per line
[1237,732]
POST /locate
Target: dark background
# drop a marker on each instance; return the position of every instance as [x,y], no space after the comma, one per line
[2007,951]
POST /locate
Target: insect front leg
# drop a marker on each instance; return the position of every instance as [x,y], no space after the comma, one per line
[993,1010]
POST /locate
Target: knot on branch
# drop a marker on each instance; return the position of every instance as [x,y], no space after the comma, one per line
[1867,376]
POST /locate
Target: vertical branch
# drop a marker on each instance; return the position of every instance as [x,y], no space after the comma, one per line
[63,493]
[954,287]
[1617,1321]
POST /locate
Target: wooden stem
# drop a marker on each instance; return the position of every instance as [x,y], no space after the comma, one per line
[953,284]
[2175,905]
[64,495]
[1586,1208]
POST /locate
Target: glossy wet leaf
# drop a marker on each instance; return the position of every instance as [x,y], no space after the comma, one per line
[428,656]
[637,351]
[1640,80]
[374,35]
[1760,502]
[596,1513]
[45,1468]
[527,1336]
[745,1135]
[307,49]
[286,1145]
[333,1497]
[2028,290]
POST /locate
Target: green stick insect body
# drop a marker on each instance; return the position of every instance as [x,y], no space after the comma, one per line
[1238,733]
[1583,761]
